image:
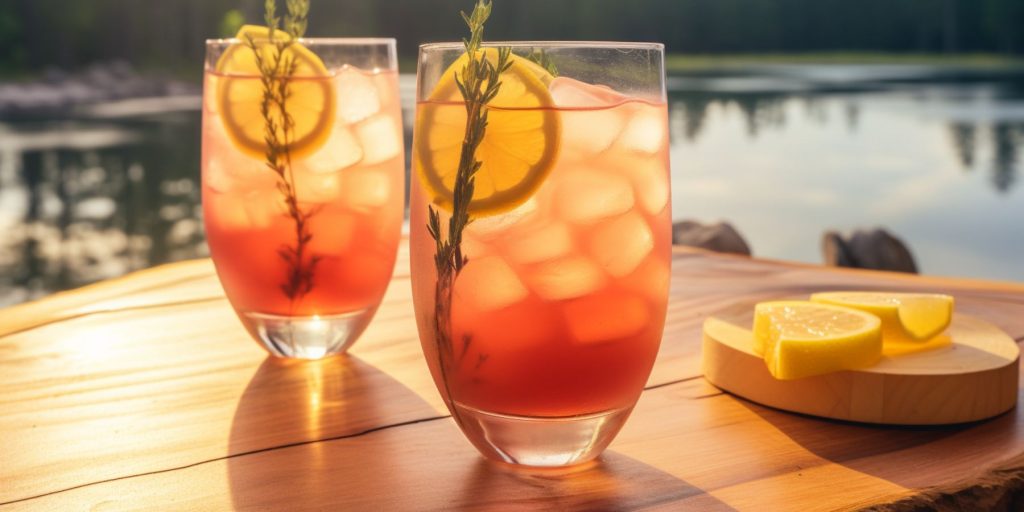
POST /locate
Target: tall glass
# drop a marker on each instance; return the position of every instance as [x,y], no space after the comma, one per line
[553,322]
[304,248]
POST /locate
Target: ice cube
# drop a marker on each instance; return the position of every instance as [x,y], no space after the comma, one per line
[606,316]
[541,244]
[567,92]
[312,187]
[264,207]
[646,131]
[381,139]
[651,278]
[228,169]
[565,278]
[473,247]
[217,177]
[621,245]
[489,284]
[357,95]
[588,195]
[366,189]
[586,132]
[339,151]
[227,211]
[523,217]
[651,183]
[387,88]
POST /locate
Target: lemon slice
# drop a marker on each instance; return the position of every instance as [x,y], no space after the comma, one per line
[800,339]
[519,146]
[239,93]
[905,316]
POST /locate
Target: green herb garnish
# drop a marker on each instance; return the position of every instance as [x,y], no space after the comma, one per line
[279,126]
[478,81]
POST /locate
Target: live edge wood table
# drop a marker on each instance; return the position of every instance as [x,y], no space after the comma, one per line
[145,393]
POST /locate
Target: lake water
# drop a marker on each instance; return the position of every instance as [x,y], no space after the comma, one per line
[782,152]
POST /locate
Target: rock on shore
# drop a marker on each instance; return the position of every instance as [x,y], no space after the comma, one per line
[875,249]
[718,237]
[59,92]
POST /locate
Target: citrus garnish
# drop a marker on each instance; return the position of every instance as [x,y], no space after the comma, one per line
[240,93]
[518,148]
[800,339]
[905,316]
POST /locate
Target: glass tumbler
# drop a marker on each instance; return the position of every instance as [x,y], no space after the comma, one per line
[542,329]
[303,210]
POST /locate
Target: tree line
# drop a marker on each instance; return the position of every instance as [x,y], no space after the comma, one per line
[37,34]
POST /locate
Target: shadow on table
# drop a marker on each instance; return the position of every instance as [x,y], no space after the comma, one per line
[343,434]
[925,454]
[612,482]
[289,414]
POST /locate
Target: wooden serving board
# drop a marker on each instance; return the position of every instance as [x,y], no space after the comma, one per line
[969,375]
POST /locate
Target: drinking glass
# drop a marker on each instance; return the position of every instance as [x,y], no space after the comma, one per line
[304,254]
[542,342]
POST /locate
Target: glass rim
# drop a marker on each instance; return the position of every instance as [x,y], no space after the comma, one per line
[621,45]
[339,41]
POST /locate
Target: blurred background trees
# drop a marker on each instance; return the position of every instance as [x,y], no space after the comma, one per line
[37,34]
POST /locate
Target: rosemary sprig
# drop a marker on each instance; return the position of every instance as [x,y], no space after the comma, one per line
[275,75]
[478,81]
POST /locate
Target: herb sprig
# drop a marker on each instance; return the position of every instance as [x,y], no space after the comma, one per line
[478,82]
[279,126]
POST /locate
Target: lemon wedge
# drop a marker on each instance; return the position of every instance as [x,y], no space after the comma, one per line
[799,339]
[913,317]
[519,146]
[239,93]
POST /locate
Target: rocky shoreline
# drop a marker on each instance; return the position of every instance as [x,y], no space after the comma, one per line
[58,93]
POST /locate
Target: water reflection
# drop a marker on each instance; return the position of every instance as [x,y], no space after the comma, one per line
[766,111]
[788,153]
[82,201]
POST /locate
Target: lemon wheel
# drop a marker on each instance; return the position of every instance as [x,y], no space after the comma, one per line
[239,94]
[519,147]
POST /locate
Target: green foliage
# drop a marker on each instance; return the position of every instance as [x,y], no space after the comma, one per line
[41,33]
[278,132]
[479,82]
[232,21]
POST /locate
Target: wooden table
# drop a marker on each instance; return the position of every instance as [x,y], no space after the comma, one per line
[145,392]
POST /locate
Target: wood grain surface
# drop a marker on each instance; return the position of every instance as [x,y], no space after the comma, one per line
[969,373]
[146,393]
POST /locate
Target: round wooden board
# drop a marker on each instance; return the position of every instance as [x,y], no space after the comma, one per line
[969,376]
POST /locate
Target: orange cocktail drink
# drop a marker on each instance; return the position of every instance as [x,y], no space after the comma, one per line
[304,254]
[555,316]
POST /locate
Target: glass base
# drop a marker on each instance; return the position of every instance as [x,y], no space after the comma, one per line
[307,337]
[541,442]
